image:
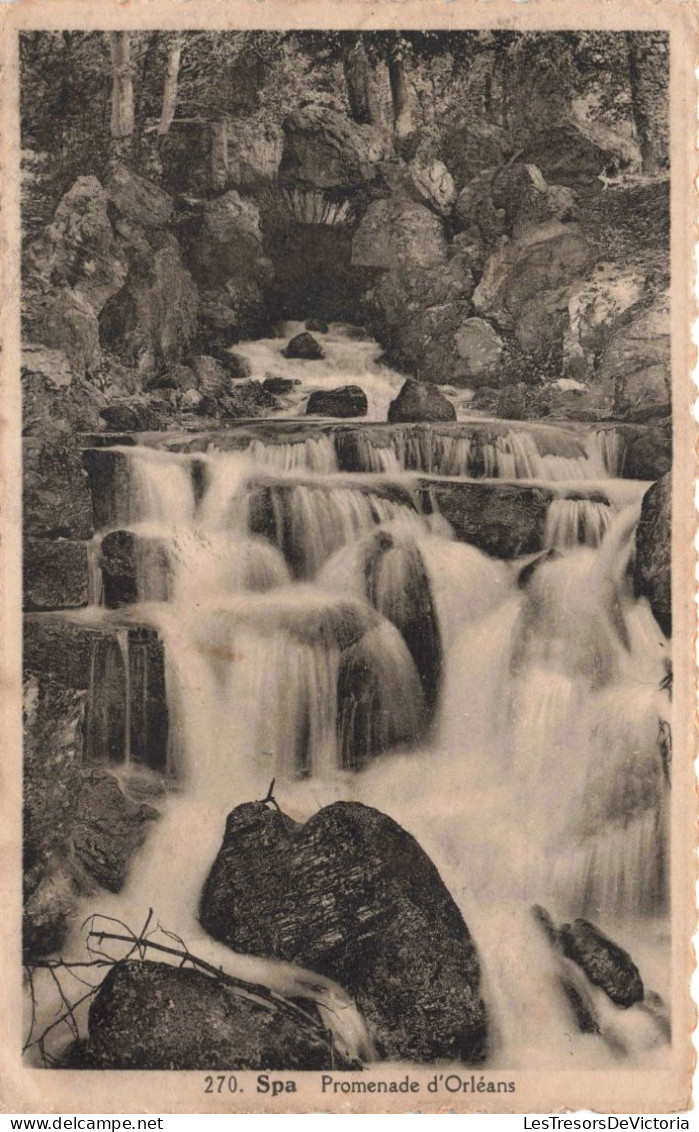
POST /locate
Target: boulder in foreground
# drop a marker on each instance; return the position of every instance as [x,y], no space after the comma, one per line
[352,896]
[155,1016]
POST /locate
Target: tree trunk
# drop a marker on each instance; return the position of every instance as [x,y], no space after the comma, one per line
[122,118]
[648,88]
[364,105]
[402,110]
[174,55]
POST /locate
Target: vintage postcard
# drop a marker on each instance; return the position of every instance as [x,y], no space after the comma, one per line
[347,556]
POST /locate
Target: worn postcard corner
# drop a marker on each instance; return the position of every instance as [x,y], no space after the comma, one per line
[348,620]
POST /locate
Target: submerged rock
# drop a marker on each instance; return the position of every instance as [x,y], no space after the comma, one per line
[304,346]
[346,401]
[317,325]
[279,385]
[420,402]
[652,569]
[155,1016]
[605,963]
[353,896]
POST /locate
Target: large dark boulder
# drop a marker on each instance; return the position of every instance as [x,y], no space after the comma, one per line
[132,416]
[56,500]
[155,1016]
[653,566]
[347,401]
[648,453]
[504,520]
[605,963]
[353,896]
[418,401]
[305,347]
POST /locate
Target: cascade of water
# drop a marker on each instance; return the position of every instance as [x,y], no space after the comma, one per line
[311,523]
[545,698]
[317,454]
[570,522]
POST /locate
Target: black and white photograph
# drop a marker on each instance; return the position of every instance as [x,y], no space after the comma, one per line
[347,624]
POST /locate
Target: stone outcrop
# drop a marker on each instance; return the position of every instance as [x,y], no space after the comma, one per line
[467,150]
[543,258]
[80,829]
[374,916]
[652,569]
[648,454]
[418,401]
[55,574]
[444,344]
[150,1015]
[636,362]
[396,235]
[325,150]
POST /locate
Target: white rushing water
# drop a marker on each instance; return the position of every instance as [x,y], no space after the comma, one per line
[513,729]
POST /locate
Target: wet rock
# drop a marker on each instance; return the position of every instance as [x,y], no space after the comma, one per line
[649,451]
[375,916]
[279,385]
[418,401]
[139,200]
[317,325]
[304,346]
[80,830]
[125,558]
[324,149]
[155,1016]
[605,963]
[54,574]
[346,401]
[652,569]
[249,399]
[543,258]
[122,669]
[504,520]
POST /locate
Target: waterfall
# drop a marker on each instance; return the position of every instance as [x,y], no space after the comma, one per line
[573,521]
[321,629]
